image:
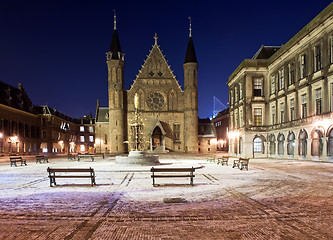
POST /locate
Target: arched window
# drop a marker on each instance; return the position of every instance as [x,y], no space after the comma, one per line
[317,143]
[281,144]
[272,144]
[257,145]
[291,144]
[303,142]
[330,143]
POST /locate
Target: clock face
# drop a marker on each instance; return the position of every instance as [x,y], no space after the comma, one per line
[155,101]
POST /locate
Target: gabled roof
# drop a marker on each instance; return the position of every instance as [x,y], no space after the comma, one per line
[265,52]
[155,67]
[190,52]
[15,97]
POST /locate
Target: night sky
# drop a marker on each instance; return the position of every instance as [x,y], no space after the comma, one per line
[57,48]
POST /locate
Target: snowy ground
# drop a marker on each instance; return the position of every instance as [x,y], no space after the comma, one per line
[275,199]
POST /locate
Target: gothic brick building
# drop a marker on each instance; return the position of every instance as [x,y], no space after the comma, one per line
[169,114]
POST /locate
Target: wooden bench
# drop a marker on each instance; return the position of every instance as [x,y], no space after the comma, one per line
[52,174]
[243,163]
[236,163]
[70,156]
[84,156]
[223,160]
[175,170]
[13,161]
[39,159]
[211,158]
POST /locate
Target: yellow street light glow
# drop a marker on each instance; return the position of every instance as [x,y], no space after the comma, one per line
[0,135]
[14,138]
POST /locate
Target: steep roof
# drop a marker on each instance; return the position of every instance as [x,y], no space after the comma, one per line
[265,52]
[102,114]
[206,128]
[115,48]
[15,97]
[190,52]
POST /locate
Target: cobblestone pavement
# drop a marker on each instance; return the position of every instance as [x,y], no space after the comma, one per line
[273,200]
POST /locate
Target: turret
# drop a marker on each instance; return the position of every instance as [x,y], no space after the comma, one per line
[117,126]
[191,97]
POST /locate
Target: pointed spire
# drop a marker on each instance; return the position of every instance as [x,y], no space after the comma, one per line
[190,52]
[190,26]
[115,48]
[114,20]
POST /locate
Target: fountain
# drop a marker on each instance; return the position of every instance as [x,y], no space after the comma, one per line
[137,155]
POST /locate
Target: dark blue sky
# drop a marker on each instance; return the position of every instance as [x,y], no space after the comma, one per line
[57,48]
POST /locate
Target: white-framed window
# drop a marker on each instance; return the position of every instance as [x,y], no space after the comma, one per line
[303,66]
[241,117]
[331,49]
[331,97]
[281,112]
[257,117]
[91,129]
[257,87]
[273,115]
[81,128]
[317,58]
[236,118]
[236,95]
[231,98]
[81,138]
[91,139]
[292,109]
[318,101]
[281,79]
[240,91]
[272,84]
[257,145]
[304,106]
[291,73]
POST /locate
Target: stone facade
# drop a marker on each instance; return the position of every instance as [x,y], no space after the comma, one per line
[169,114]
[281,101]
[221,124]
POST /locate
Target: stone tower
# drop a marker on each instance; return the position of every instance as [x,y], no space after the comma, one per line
[191,98]
[117,126]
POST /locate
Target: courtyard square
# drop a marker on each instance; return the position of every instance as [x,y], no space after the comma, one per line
[274,199]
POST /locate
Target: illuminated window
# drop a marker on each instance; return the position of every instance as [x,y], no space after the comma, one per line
[240,91]
[91,138]
[257,87]
[257,116]
[91,129]
[257,145]
[81,128]
[82,148]
[81,138]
